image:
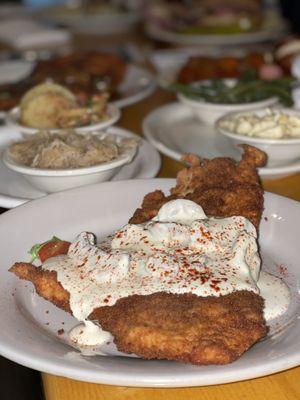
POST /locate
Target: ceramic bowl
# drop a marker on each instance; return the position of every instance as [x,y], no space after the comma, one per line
[280,151]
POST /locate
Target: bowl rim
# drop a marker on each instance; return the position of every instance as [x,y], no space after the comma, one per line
[51,173]
[260,103]
[12,119]
[253,139]
[200,103]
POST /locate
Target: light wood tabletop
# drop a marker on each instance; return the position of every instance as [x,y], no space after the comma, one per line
[280,386]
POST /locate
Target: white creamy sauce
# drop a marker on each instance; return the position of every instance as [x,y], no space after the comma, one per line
[276,294]
[181,250]
[88,334]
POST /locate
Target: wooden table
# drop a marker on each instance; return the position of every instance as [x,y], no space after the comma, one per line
[280,386]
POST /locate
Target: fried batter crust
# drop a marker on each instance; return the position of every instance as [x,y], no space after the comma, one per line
[222,187]
[45,283]
[183,327]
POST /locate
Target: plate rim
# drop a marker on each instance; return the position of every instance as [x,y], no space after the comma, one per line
[266,33]
[119,103]
[143,93]
[175,155]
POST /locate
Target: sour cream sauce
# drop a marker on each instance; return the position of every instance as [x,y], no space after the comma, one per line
[181,250]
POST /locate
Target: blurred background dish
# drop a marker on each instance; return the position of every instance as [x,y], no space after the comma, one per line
[213,22]
[12,71]
[54,107]
[208,112]
[16,190]
[276,132]
[91,17]
[104,154]
[12,119]
[210,99]
[173,130]
[84,74]
[23,32]
[188,65]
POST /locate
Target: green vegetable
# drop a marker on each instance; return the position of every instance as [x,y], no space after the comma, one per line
[34,251]
[248,89]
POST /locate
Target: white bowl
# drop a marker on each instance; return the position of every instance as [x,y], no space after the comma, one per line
[13,120]
[55,180]
[280,151]
[209,113]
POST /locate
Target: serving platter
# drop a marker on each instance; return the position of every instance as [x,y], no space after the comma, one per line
[31,331]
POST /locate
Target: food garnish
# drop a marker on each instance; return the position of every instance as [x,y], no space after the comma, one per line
[50,248]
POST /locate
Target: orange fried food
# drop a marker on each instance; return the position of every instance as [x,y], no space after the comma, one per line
[199,68]
[45,283]
[221,186]
[185,327]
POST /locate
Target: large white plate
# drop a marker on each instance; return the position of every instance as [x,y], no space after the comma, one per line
[15,190]
[273,28]
[138,82]
[174,130]
[29,325]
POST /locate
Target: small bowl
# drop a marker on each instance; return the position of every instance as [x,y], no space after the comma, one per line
[209,113]
[13,120]
[280,151]
[55,180]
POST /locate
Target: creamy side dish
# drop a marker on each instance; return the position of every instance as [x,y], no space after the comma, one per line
[181,250]
[271,125]
[68,149]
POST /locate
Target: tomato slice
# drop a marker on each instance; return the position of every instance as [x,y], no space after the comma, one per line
[53,248]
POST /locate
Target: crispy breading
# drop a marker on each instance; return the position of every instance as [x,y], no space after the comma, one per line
[184,327]
[221,186]
[45,283]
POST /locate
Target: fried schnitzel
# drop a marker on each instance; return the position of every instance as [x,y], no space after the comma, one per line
[221,186]
[183,327]
[188,328]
